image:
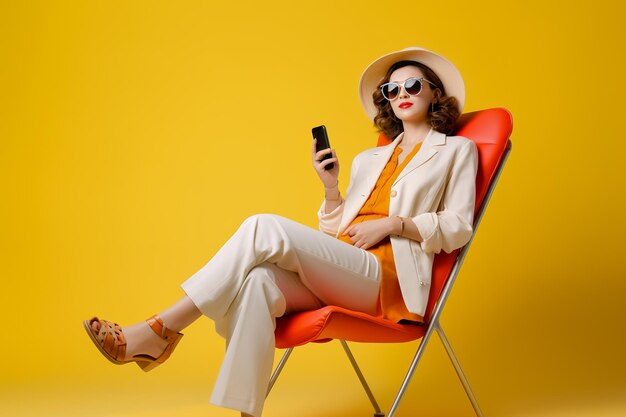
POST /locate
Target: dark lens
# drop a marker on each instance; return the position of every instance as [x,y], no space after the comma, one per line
[413,86]
[391,90]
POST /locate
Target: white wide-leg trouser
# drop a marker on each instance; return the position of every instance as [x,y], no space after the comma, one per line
[272,266]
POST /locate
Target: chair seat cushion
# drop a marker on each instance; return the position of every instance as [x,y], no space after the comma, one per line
[333,322]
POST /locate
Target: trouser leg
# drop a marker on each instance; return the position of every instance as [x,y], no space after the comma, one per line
[226,290]
[337,273]
[248,328]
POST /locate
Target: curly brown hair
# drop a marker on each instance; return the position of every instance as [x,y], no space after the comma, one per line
[442,119]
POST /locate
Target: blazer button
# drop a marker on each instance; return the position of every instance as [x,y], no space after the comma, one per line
[393,193]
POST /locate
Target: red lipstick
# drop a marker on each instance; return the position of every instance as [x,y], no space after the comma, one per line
[405,105]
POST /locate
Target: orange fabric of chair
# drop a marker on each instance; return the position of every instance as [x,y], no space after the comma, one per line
[490,130]
[331,322]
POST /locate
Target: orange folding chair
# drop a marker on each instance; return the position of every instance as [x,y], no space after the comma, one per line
[490,130]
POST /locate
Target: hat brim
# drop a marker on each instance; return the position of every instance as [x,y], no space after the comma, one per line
[445,70]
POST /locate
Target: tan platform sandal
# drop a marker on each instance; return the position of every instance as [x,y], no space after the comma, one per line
[111,342]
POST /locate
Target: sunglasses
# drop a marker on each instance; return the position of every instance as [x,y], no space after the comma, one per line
[413,86]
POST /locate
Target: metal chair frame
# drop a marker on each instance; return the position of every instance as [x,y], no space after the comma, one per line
[433,325]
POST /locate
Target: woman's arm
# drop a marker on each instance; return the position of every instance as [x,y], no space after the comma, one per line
[404,227]
[367,234]
[329,177]
[451,227]
[330,212]
[332,198]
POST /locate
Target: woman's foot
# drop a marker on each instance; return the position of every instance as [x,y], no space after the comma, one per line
[140,340]
[149,343]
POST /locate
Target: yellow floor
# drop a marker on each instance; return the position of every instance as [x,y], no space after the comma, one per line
[75,400]
[306,389]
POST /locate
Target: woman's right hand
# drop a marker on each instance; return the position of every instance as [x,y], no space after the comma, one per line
[328,177]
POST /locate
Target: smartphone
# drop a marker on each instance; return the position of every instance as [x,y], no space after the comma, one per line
[319,133]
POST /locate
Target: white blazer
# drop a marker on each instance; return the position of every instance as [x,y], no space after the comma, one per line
[436,189]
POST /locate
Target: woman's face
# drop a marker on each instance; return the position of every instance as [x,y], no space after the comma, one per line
[412,109]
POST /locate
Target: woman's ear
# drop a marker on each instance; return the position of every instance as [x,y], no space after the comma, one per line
[436,95]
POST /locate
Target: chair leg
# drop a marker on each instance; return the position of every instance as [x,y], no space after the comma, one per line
[368,391]
[418,355]
[410,372]
[459,371]
[278,369]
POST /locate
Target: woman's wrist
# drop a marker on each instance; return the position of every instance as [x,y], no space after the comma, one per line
[334,187]
[398,226]
[332,196]
[332,193]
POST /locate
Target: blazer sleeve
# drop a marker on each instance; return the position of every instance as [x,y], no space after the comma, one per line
[452,226]
[329,222]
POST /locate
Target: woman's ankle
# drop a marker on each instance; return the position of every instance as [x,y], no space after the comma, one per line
[141,340]
[180,315]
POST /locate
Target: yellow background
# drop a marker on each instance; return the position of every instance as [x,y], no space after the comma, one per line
[136,136]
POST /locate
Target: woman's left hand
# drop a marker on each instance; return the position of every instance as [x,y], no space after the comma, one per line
[367,234]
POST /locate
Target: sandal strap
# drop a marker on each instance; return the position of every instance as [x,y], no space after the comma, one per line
[111,338]
[157,326]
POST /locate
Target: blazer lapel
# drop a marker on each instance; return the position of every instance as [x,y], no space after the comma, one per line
[375,165]
[426,152]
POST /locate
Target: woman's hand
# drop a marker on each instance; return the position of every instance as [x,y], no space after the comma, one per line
[328,177]
[367,234]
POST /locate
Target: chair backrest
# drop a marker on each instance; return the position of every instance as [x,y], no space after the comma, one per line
[490,130]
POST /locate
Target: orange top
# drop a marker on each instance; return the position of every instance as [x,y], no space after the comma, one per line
[390,302]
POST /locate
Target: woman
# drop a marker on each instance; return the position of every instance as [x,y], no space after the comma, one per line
[405,202]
